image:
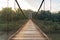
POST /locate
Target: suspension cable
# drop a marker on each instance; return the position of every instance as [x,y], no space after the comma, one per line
[50,9]
[44,5]
[19,7]
[14,5]
[50,5]
[39,7]
[7,3]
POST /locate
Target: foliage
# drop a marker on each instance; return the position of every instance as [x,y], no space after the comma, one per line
[48,16]
[10,19]
[48,21]
[7,14]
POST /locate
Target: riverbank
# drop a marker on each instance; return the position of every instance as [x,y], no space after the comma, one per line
[54,36]
[48,26]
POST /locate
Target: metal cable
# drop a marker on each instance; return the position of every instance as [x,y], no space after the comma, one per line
[7,3]
[20,8]
[39,7]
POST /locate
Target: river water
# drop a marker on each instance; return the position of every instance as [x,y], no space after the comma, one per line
[3,36]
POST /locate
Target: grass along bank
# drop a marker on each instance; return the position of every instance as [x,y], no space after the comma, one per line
[48,26]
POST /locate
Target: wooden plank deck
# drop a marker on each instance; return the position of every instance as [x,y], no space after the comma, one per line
[30,31]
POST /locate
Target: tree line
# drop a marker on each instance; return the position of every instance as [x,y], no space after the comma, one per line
[9,14]
[50,21]
[47,16]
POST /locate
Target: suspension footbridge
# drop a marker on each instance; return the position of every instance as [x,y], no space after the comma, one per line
[30,31]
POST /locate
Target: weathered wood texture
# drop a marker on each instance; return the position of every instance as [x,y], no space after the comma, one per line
[30,31]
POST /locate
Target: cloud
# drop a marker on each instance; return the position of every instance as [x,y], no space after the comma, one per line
[33,4]
[55,5]
[25,5]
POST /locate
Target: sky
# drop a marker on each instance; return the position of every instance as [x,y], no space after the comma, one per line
[32,4]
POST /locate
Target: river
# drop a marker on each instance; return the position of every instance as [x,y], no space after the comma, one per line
[3,36]
[55,36]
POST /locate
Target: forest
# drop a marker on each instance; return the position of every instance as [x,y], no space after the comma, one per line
[48,21]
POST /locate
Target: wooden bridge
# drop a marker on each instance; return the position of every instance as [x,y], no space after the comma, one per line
[30,31]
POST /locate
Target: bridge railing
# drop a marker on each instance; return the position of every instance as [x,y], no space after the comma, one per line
[40,30]
[18,30]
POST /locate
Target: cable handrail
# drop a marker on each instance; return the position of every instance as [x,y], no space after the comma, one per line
[20,7]
[39,7]
[37,10]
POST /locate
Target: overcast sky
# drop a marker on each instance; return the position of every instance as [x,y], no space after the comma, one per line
[32,4]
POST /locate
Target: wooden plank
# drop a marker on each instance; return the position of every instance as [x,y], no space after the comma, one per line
[30,31]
